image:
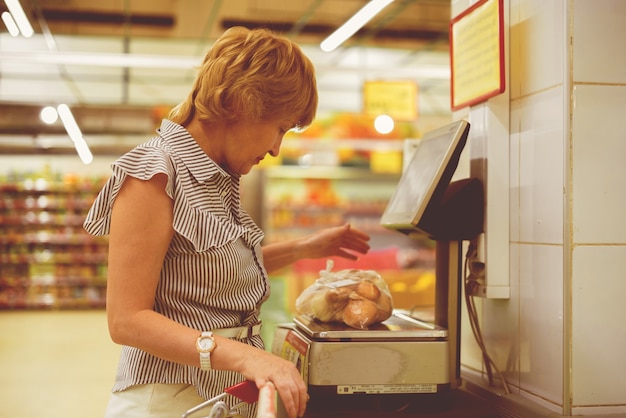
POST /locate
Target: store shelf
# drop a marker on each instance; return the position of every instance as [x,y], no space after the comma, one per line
[298,200]
[328,172]
[47,260]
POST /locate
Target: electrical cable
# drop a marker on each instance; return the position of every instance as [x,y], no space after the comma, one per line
[474,277]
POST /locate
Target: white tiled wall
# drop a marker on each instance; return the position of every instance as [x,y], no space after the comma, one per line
[598,35]
[598,205]
[541,166]
[541,322]
[525,333]
[567,162]
[537,47]
[598,165]
[599,334]
[537,181]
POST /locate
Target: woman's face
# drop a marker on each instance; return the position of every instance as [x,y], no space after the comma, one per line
[248,142]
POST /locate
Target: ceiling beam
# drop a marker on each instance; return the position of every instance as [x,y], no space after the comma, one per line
[23,119]
[92,17]
[321,29]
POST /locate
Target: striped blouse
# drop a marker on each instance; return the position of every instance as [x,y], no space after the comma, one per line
[213,275]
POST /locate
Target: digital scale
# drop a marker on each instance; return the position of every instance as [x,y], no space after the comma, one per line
[405,356]
[383,359]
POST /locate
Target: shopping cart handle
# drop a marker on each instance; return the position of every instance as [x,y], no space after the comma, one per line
[246,391]
[267,406]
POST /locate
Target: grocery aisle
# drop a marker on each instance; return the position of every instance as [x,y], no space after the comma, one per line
[55,364]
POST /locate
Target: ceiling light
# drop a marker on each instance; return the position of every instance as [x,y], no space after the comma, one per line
[15,8]
[10,24]
[353,24]
[48,115]
[384,124]
[75,134]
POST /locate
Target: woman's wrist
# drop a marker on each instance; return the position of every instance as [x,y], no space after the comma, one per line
[299,249]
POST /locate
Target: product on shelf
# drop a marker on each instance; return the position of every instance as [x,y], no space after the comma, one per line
[47,260]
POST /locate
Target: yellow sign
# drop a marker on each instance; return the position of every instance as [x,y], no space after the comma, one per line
[477,54]
[397,99]
[386,162]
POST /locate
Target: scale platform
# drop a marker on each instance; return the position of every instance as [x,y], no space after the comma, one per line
[401,325]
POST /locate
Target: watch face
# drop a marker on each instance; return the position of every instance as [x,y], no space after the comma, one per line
[206,343]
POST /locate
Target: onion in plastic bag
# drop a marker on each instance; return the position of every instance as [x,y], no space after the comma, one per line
[358,298]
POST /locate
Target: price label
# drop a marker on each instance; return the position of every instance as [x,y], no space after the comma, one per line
[386,389]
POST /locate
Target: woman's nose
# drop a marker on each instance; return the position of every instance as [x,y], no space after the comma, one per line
[275,150]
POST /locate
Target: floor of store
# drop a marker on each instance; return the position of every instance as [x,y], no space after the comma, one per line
[61,364]
[55,364]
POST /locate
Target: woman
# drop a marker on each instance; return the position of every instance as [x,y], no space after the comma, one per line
[187,273]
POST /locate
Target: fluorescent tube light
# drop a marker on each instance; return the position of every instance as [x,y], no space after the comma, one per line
[353,24]
[10,24]
[69,122]
[75,134]
[20,18]
[84,153]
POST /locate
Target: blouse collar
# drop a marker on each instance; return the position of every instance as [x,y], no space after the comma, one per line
[199,164]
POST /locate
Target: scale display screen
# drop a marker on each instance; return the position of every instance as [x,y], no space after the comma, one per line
[426,177]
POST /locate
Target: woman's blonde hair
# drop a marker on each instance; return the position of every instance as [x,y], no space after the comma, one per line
[251,74]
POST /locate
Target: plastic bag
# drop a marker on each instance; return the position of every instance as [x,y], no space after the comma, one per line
[358,298]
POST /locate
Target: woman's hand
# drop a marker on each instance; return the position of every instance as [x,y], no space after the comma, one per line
[263,367]
[341,241]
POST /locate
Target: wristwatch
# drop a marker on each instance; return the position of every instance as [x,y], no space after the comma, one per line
[205,345]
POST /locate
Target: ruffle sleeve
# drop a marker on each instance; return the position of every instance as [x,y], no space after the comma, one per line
[142,163]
